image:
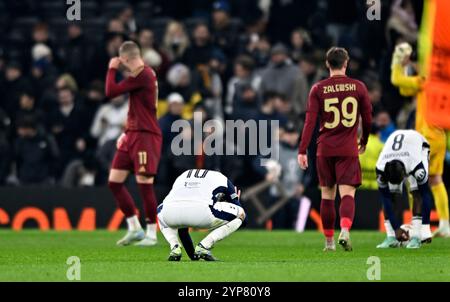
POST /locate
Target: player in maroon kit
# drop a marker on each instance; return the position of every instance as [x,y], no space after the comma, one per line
[139,148]
[338,102]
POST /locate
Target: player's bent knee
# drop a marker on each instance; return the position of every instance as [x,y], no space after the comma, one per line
[328,192]
[241,214]
[145,179]
[347,190]
[118,176]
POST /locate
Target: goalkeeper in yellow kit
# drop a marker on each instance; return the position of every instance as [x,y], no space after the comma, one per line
[411,86]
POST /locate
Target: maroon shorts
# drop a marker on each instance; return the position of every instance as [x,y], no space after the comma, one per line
[140,152]
[338,170]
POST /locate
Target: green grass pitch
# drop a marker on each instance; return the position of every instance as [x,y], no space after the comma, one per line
[245,256]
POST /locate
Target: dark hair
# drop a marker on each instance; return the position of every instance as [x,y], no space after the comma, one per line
[394,172]
[246,62]
[336,57]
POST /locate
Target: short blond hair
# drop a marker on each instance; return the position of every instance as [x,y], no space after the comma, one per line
[130,49]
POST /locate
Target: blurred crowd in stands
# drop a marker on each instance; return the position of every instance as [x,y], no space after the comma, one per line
[229,59]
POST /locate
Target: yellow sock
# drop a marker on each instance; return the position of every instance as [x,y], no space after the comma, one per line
[441,201]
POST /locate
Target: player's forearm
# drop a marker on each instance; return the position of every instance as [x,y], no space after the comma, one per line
[113,89]
[366,127]
[110,83]
[388,209]
[308,129]
[400,80]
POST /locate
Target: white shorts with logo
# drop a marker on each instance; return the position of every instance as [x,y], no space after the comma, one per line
[183,214]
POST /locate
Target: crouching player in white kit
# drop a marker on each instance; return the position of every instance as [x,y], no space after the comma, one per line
[405,156]
[200,199]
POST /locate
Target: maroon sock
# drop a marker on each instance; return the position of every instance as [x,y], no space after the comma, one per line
[328,216]
[149,201]
[123,198]
[347,211]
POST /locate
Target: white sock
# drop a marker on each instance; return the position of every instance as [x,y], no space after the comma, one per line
[389,230]
[151,230]
[443,224]
[133,223]
[425,231]
[220,233]
[171,236]
[416,226]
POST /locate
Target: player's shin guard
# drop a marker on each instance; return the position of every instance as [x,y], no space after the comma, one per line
[328,217]
[123,198]
[441,201]
[220,233]
[347,212]
[148,196]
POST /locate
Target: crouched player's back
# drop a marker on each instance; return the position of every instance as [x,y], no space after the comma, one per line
[197,185]
[201,199]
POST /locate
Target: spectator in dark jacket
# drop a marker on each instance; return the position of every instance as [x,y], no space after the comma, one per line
[27,107]
[15,84]
[200,52]
[66,124]
[243,78]
[76,54]
[35,153]
[225,35]
[176,105]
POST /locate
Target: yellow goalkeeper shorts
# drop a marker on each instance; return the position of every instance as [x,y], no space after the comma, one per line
[437,139]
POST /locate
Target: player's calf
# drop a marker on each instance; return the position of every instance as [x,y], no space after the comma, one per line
[220,233]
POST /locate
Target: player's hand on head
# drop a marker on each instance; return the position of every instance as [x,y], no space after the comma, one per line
[303,161]
[114,63]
